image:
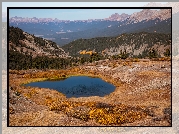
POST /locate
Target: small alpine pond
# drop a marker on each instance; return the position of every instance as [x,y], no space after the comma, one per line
[78,86]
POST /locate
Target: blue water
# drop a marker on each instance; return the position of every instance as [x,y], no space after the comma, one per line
[78,86]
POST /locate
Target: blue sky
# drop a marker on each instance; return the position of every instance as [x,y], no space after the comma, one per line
[70,14]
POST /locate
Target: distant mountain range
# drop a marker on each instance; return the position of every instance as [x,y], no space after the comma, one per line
[148,14]
[145,14]
[64,31]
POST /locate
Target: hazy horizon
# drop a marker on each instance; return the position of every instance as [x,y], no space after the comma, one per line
[73,15]
[69,14]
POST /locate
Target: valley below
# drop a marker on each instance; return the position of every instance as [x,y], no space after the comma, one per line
[142,96]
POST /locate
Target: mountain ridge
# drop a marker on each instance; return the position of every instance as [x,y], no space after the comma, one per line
[113,17]
[63,32]
[26,43]
[134,44]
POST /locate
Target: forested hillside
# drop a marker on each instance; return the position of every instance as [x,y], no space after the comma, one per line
[27,51]
[134,43]
[26,43]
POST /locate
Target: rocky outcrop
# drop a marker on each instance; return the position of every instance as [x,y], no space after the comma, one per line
[26,43]
[148,14]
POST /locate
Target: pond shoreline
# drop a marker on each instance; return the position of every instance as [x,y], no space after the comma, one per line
[139,85]
[77,86]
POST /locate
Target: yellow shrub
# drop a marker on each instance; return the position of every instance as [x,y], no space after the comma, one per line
[30,93]
[135,60]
